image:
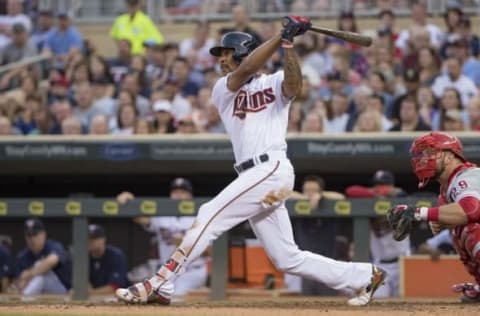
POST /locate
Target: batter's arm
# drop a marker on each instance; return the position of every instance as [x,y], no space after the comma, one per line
[292,81]
[253,63]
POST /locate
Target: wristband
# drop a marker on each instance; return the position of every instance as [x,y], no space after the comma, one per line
[286,44]
[427,214]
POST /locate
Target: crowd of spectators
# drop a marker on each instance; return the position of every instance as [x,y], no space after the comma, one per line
[426,77]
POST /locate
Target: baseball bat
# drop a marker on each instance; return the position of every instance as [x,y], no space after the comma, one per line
[344,35]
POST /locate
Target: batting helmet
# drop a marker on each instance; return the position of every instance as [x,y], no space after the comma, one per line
[424,150]
[241,43]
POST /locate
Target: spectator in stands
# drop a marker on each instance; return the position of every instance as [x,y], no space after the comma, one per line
[376,103]
[142,127]
[470,65]
[427,104]
[5,126]
[315,55]
[429,65]
[410,119]
[308,232]
[241,23]
[369,121]
[181,72]
[313,123]
[465,31]
[45,24]
[419,19]
[306,97]
[347,22]
[437,245]
[14,15]
[64,39]
[186,125]
[452,16]
[44,266]
[20,47]
[25,122]
[358,104]
[451,100]
[453,121]
[131,84]
[295,118]
[126,118]
[102,100]
[61,110]
[120,65]
[454,78]
[85,108]
[71,126]
[411,82]
[384,250]
[43,121]
[169,231]
[200,44]
[6,268]
[156,64]
[473,111]
[99,125]
[164,121]
[387,23]
[378,83]
[337,123]
[214,123]
[135,26]
[108,265]
[99,71]
[419,38]
[181,107]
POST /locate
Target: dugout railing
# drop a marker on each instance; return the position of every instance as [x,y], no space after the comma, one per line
[81,209]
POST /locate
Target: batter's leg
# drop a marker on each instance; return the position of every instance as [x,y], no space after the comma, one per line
[237,202]
[274,231]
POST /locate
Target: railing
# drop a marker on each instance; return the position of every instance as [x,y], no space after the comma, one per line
[184,10]
[79,210]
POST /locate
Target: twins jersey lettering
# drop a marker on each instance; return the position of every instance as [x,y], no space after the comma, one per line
[255,116]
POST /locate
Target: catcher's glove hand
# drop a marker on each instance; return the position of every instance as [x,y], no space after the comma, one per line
[401,218]
[294,25]
[469,290]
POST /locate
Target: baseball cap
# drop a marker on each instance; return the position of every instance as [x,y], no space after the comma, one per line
[96,231]
[162,105]
[181,183]
[33,226]
[61,81]
[411,75]
[383,177]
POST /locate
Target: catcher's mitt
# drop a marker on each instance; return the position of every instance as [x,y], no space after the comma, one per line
[401,218]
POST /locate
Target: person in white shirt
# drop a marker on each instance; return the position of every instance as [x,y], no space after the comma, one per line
[454,78]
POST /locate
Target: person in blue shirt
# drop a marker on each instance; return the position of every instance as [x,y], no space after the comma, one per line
[5,268]
[44,266]
[108,265]
[64,38]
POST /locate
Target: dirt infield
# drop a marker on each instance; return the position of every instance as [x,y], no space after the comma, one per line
[252,307]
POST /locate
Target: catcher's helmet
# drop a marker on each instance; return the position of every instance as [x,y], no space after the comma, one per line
[424,150]
[241,43]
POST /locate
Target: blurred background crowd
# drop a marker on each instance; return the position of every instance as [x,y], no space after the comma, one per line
[424,77]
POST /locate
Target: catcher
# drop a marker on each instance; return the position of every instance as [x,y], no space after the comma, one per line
[439,156]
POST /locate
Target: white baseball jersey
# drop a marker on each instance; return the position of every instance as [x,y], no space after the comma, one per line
[465,183]
[255,116]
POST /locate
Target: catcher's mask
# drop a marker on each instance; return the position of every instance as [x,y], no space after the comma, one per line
[426,149]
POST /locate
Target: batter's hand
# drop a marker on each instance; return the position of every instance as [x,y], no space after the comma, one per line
[401,218]
[294,25]
[274,198]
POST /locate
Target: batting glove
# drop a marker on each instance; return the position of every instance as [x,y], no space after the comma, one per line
[294,25]
[401,218]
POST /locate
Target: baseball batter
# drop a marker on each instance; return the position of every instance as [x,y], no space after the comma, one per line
[254,109]
[439,156]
